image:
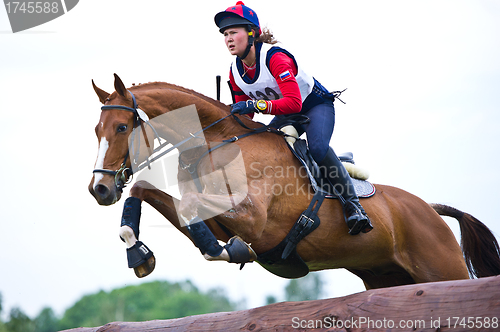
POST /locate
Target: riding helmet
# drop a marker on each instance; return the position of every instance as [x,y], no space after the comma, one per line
[238,15]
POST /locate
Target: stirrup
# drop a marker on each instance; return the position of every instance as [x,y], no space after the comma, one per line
[359,226]
[239,251]
[358,221]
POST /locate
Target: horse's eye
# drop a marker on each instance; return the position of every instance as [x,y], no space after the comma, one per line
[121,128]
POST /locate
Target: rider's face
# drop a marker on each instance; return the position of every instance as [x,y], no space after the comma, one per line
[236,40]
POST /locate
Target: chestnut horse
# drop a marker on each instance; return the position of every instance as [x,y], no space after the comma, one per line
[410,242]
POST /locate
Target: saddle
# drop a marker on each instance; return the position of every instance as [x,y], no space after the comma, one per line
[283,260]
[364,189]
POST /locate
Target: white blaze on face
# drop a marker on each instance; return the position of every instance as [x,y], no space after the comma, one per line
[99,164]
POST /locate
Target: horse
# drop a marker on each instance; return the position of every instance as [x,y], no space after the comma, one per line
[410,242]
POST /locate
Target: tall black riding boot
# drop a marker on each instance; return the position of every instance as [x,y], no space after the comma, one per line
[355,215]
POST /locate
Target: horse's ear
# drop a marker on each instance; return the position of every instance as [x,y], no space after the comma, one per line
[103,95]
[120,87]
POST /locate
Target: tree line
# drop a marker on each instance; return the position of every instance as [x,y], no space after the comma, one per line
[147,301]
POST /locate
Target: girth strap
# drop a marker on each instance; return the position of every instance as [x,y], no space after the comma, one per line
[307,222]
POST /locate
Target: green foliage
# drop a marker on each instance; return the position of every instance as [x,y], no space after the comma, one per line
[2,325]
[46,321]
[19,322]
[270,299]
[154,300]
[148,301]
[3,328]
[309,287]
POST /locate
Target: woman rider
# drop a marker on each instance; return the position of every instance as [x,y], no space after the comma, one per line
[267,79]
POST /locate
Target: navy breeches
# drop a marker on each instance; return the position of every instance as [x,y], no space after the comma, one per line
[319,130]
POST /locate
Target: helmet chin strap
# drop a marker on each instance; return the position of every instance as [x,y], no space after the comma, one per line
[251,39]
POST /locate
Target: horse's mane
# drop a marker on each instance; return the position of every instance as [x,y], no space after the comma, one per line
[165,85]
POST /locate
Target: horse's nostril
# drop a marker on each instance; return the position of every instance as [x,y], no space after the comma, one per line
[101,190]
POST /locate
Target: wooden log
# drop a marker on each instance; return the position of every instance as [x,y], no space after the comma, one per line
[464,305]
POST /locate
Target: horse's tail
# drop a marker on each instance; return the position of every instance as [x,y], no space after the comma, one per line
[480,248]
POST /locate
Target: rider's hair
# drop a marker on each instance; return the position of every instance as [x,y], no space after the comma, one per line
[266,37]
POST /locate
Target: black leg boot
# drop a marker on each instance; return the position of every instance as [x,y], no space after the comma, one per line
[203,238]
[139,256]
[337,175]
[237,249]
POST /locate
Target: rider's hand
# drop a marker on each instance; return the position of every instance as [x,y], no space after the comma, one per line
[243,107]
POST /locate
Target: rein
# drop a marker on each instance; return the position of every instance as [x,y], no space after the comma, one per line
[124,174]
[193,168]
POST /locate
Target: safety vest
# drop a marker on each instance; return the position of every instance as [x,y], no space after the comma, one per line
[264,85]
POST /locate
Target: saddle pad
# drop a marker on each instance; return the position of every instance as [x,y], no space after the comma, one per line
[363,188]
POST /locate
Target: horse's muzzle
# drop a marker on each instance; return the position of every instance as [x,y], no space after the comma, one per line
[105,194]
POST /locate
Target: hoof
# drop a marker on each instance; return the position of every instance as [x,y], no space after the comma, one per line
[146,268]
[239,251]
[141,259]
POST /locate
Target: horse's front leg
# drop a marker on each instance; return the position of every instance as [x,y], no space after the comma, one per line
[140,256]
[236,212]
[167,205]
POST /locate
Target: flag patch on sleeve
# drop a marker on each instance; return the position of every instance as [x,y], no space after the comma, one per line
[285,75]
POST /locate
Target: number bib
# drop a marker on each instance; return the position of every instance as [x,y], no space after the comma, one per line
[264,85]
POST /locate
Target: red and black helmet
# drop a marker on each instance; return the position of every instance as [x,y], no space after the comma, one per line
[238,15]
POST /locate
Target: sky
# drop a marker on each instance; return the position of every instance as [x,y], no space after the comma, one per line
[421,114]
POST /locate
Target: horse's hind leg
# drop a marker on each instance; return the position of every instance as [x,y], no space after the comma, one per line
[443,261]
[397,277]
[431,251]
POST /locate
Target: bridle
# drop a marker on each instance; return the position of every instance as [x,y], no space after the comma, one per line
[124,174]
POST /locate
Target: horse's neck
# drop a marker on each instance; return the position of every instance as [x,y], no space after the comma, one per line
[187,112]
